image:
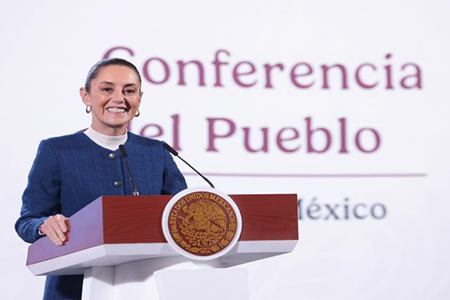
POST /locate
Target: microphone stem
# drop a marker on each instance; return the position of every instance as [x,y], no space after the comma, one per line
[135,192]
[206,179]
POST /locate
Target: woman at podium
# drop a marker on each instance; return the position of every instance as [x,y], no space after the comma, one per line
[71,171]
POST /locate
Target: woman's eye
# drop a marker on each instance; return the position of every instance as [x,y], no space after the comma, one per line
[130,91]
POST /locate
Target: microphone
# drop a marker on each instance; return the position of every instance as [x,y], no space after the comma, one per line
[175,153]
[125,157]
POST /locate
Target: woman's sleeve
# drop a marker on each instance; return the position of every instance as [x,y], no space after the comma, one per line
[173,180]
[41,197]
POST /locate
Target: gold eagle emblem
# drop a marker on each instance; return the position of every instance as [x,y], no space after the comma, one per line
[202,223]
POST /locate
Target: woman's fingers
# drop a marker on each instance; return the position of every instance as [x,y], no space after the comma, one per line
[55,227]
[53,236]
[61,221]
[48,229]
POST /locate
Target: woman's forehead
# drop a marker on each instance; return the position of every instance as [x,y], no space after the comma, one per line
[116,74]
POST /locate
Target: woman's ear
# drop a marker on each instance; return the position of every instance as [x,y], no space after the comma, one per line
[140,96]
[85,96]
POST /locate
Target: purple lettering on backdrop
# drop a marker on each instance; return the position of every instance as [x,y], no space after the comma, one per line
[237,74]
[268,68]
[343,125]
[416,75]
[281,139]
[295,75]
[159,131]
[325,70]
[108,53]
[212,135]
[201,71]
[217,63]
[176,132]
[359,81]
[146,70]
[388,69]
[265,144]
[309,137]
[298,76]
[359,143]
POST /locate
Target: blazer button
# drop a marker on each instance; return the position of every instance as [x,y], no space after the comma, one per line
[112,155]
[117,183]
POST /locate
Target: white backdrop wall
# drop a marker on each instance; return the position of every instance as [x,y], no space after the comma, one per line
[343,102]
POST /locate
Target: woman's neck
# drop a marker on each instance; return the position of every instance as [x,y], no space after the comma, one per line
[106,141]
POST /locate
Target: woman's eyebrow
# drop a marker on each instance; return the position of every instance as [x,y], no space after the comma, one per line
[130,84]
[125,85]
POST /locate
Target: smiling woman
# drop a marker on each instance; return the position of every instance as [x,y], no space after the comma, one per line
[113,93]
[71,171]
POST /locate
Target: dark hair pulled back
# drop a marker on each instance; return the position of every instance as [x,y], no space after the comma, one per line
[93,72]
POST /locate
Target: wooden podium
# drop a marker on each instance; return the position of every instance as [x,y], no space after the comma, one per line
[117,242]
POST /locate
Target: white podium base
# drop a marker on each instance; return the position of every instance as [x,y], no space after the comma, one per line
[170,278]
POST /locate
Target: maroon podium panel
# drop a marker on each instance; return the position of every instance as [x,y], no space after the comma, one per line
[137,220]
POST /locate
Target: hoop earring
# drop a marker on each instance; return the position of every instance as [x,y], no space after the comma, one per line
[88,109]
[138,113]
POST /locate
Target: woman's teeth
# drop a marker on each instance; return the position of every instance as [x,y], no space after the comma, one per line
[116,110]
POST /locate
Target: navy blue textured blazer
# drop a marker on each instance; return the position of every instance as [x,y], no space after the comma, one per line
[71,171]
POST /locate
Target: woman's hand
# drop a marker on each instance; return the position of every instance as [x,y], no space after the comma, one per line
[55,227]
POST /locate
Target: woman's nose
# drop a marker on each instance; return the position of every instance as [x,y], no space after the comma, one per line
[118,96]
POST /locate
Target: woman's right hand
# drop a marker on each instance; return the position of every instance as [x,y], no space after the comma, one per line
[56,228]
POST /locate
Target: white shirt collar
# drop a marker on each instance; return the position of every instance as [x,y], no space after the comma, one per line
[106,141]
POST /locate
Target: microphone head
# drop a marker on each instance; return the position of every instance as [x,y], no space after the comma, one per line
[169,148]
[122,150]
